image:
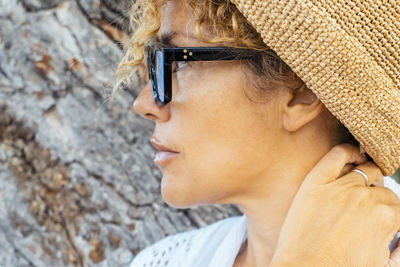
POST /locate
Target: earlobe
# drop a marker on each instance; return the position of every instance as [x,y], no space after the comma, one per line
[302,108]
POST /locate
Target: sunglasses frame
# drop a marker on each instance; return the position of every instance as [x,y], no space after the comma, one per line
[170,55]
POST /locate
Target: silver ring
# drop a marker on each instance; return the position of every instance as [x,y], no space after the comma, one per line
[363,175]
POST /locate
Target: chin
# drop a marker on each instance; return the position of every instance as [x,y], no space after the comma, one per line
[177,195]
[176,199]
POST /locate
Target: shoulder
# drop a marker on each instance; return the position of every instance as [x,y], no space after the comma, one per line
[179,248]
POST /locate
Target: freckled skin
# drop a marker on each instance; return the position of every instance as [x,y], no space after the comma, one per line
[233,150]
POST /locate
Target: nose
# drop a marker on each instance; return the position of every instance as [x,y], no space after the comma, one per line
[145,106]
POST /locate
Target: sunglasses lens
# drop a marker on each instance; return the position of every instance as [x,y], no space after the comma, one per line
[159,66]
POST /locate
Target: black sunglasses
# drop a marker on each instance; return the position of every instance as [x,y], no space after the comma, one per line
[159,63]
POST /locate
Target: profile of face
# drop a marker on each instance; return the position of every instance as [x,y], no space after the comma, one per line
[230,147]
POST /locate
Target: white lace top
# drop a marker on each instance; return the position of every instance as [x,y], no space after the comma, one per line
[215,245]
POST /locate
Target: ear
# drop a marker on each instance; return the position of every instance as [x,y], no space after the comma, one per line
[301,107]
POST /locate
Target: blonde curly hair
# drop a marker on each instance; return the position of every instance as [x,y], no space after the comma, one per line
[219,18]
[227,26]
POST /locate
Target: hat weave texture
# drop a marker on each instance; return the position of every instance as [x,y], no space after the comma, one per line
[348,54]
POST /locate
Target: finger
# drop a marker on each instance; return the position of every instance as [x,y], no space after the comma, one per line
[372,172]
[378,182]
[332,164]
[346,169]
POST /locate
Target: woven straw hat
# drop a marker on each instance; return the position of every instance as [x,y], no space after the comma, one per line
[348,54]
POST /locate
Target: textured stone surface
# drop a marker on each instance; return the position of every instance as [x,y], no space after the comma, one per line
[77,183]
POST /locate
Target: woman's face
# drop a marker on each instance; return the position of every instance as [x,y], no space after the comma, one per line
[227,143]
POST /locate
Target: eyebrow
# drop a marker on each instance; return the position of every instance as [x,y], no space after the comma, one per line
[166,39]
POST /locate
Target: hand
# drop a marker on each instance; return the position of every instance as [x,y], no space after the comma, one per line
[336,220]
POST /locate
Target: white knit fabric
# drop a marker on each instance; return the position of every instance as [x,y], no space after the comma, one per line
[214,246]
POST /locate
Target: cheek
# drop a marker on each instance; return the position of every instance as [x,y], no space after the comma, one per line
[222,137]
[213,169]
[219,158]
[203,172]
[205,82]
[213,119]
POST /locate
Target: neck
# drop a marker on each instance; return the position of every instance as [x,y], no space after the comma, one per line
[265,217]
[267,202]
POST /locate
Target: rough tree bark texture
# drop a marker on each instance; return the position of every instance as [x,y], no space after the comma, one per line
[77,183]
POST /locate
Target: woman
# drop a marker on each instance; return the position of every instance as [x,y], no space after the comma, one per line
[236,123]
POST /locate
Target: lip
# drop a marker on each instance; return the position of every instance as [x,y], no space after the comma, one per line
[164,153]
[159,146]
[163,157]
